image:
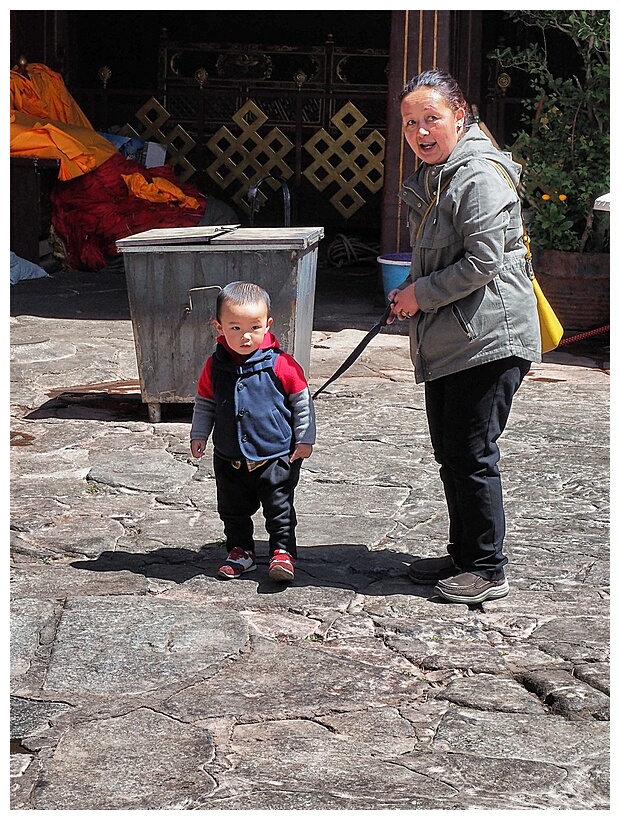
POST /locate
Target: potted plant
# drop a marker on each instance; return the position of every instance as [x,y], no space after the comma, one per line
[564,148]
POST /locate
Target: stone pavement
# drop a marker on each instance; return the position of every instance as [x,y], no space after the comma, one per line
[139,681]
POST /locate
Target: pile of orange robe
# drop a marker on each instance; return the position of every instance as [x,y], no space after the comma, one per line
[101,196]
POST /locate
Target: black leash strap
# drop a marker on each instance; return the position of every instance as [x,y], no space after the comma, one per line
[358,350]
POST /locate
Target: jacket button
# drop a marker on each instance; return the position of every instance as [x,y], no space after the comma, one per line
[244,438]
[419,204]
[241,413]
[240,386]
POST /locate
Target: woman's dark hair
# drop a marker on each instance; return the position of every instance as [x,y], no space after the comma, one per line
[445,84]
[241,293]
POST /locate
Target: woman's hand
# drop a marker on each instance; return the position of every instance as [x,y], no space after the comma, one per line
[403,302]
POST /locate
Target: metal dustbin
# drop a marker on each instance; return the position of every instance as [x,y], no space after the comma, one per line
[170,277]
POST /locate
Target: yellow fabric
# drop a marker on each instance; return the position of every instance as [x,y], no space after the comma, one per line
[46,122]
[44,94]
[78,148]
[159,190]
[551,331]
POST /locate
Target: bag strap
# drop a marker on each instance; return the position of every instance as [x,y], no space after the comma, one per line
[526,236]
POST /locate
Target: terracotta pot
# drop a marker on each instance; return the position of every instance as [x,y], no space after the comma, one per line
[576,285]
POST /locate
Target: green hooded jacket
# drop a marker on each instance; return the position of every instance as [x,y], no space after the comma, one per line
[473,284]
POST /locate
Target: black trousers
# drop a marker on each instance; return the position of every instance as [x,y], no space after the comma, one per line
[467,412]
[241,493]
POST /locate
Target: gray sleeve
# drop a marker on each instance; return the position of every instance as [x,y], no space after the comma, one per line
[304,424]
[202,419]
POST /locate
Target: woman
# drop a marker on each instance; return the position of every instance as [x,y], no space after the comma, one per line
[474,328]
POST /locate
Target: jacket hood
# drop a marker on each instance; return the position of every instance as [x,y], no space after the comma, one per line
[476,145]
[270,342]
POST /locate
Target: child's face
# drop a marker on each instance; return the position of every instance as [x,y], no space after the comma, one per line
[244,326]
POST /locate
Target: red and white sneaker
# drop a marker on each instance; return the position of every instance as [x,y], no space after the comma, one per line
[238,562]
[281,566]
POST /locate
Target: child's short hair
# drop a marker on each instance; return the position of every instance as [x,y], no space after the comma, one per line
[241,293]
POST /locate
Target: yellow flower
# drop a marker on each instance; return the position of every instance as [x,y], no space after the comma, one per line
[545,197]
[562,197]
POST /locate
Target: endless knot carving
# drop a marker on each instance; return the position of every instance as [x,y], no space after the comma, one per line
[347,161]
[248,156]
[153,116]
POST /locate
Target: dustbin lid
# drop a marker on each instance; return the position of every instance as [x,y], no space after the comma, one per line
[212,237]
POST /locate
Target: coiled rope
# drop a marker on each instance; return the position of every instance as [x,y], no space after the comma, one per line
[350,251]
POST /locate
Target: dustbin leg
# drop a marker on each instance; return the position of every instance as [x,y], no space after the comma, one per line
[154,412]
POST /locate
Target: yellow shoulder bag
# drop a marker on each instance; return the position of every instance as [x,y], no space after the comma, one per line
[551,331]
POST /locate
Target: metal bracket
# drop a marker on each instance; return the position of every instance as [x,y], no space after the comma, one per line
[189,307]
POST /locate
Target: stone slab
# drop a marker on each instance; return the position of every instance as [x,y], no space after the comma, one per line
[110,645]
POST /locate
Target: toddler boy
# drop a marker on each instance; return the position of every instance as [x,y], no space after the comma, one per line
[255,399]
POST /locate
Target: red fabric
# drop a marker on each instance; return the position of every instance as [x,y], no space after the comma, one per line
[92,211]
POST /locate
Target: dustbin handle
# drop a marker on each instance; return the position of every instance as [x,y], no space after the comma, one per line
[219,231]
[189,308]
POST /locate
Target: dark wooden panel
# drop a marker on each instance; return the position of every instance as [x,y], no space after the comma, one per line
[31,211]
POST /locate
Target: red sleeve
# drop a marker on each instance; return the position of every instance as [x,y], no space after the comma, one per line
[290,373]
[205,385]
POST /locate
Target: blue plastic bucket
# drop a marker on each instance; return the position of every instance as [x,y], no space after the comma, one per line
[394,269]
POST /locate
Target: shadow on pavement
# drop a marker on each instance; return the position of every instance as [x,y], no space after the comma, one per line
[111,404]
[343,566]
[73,295]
